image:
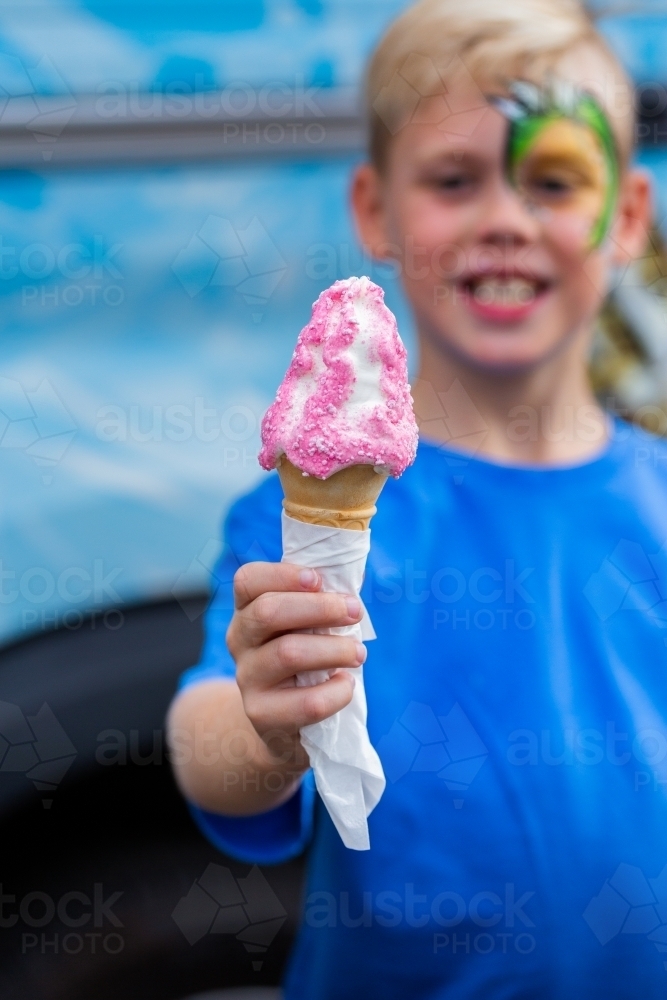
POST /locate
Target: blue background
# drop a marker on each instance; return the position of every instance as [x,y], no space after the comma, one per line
[130,505]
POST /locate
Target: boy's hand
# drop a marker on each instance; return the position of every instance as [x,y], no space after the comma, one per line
[274,601]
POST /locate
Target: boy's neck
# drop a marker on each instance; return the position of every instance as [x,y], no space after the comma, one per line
[545,416]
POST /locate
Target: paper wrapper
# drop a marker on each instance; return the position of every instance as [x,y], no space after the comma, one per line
[348,772]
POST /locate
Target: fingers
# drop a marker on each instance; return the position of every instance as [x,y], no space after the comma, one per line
[257,578]
[291,708]
[290,654]
[275,603]
[272,613]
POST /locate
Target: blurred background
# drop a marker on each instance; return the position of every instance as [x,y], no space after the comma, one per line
[173,182]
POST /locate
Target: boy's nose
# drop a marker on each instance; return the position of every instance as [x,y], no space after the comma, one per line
[505,216]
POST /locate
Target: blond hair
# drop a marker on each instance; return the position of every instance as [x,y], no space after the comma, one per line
[437,44]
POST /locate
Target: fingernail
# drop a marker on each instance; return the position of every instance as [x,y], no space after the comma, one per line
[362,653]
[308,578]
[353,607]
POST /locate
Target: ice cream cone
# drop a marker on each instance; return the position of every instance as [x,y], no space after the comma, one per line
[344,500]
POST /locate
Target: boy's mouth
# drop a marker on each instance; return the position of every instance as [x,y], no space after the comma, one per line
[503,298]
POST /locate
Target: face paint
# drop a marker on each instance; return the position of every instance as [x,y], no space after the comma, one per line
[561,155]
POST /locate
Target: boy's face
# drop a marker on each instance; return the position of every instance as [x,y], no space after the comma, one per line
[501,275]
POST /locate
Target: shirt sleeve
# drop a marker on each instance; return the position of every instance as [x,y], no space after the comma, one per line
[251,533]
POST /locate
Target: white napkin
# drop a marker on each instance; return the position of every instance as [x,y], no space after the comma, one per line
[348,772]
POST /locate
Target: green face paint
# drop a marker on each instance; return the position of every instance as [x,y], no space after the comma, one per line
[561,153]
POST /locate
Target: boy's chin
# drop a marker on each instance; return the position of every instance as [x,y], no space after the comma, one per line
[507,353]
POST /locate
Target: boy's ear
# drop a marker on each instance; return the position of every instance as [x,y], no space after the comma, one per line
[368,209]
[630,231]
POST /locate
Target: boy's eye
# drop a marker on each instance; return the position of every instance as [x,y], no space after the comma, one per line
[453,183]
[553,185]
[556,181]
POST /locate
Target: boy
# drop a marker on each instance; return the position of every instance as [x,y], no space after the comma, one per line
[516,580]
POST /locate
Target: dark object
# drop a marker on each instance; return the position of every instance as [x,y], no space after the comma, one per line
[108,889]
[651,108]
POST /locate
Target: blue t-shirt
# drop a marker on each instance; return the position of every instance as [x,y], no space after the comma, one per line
[517,697]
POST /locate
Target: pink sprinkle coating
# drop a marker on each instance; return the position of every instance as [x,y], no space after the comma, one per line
[345,399]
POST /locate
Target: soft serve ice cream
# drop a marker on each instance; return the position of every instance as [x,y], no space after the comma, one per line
[345,399]
[341,422]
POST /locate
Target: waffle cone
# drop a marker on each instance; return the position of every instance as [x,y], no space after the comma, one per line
[344,500]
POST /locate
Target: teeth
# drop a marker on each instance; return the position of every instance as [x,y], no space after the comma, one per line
[500,291]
